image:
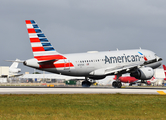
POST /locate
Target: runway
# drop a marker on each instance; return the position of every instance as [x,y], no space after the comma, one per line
[79,90]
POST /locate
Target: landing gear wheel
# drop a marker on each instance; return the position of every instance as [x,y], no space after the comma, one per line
[114,84]
[86,84]
[117,84]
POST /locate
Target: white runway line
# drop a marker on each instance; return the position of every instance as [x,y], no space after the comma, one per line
[77,91]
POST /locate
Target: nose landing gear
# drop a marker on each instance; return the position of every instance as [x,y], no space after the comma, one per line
[88,82]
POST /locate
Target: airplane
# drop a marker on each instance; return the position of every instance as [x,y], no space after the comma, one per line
[127,79]
[164,71]
[92,65]
[13,69]
[133,80]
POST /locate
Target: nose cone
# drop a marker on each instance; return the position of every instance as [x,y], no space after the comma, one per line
[155,63]
[31,63]
[159,60]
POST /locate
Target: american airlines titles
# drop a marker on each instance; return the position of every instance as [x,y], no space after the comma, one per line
[122,59]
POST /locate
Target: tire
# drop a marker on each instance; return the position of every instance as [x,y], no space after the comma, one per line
[119,84]
[115,84]
[86,84]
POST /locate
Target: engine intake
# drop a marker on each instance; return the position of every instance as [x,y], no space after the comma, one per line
[144,73]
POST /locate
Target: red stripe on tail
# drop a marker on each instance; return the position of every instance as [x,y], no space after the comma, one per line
[37,49]
[28,21]
[31,30]
[34,40]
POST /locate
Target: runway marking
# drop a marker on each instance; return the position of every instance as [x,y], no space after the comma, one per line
[53,90]
[123,87]
[161,92]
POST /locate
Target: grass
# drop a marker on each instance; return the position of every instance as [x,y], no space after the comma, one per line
[82,106]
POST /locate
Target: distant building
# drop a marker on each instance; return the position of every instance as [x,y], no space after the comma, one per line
[4,71]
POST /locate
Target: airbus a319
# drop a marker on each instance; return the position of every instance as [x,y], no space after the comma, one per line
[92,65]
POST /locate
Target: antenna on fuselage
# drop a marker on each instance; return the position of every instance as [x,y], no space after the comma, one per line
[140,48]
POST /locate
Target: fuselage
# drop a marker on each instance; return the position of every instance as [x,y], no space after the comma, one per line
[82,64]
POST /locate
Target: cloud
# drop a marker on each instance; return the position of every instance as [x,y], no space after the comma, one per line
[80,26]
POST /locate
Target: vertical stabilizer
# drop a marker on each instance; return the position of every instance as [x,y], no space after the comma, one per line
[41,47]
[14,67]
[15,64]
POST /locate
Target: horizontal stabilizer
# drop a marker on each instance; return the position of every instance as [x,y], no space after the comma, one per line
[14,61]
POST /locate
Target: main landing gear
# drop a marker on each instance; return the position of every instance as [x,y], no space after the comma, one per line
[88,82]
[117,84]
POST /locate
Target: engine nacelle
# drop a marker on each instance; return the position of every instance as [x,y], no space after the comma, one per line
[144,73]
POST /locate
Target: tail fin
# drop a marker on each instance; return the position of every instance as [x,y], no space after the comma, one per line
[14,67]
[164,67]
[15,64]
[41,47]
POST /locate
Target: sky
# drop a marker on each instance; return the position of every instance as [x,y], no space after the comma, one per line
[74,26]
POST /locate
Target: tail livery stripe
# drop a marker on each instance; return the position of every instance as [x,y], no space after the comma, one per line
[28,22]
[42,48]
[36,36]
[37,49]
[31,31]
[34,40]
[39,43]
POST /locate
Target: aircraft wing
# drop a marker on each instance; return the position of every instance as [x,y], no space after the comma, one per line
[115,70]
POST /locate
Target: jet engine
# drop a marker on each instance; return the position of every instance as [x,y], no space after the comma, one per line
[144,73]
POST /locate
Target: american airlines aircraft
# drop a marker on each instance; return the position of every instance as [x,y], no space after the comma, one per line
[92,65]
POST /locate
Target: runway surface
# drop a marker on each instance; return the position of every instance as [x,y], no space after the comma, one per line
[80,90]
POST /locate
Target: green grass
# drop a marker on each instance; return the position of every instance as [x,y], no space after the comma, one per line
[82,107]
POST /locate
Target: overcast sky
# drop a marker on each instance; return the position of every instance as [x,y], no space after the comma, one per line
[83,25]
